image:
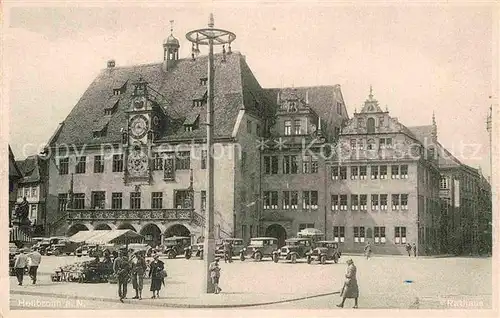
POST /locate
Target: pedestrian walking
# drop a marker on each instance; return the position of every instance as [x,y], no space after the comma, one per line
[121,268]
[368,250]
[34,260]
[138,269]
[408,249]
[414,249]
[157,273]
[20,263]
[350,288]
[215,275]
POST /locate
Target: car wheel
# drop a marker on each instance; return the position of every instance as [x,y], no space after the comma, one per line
[171,254]
[335,259]
[242,257]
[258,257]
[68,254]
[187,255]
[294,258]
[56,253]
[276,258]
[309,260]
[323,259]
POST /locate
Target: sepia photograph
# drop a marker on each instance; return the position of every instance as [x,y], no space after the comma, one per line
[333,156]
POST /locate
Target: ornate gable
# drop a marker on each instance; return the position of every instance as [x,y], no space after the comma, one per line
[371,104]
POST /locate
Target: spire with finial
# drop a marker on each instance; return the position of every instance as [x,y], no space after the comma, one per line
[171,27]
[371,93]
[434,127]
[171,47]
[211,20]
[386,108]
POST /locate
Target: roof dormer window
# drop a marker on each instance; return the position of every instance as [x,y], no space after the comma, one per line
[203,81]
[188,128]
[116,92]
[197,102]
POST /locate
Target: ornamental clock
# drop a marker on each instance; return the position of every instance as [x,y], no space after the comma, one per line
[138,126]
[137,164]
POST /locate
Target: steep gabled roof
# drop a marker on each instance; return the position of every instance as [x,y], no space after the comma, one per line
[14,171]
[235,87]
[30,168]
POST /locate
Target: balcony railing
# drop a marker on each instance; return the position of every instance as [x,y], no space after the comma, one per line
[134,214]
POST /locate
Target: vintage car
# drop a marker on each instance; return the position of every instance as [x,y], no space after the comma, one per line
[294,248]
[42,246]
[236,243]
[175,245]
[324,251]
[83,250]
[135,247]
[194,250]
[259,247]
[63,247]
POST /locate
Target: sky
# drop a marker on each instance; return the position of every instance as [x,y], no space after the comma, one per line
[419,59]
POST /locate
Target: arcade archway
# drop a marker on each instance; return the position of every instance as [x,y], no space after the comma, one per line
[152,235]
[127,226]
[177,230]
[103,226]
[277,231]
[75,228]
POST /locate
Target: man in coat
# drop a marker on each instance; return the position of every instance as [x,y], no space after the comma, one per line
[368,250]
[215,275]
[121,268]
[408,249]
[350,289]
[20,263]
[414,247]
[34,259]
[138,269]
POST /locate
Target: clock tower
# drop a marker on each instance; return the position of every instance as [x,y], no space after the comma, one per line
[144,125]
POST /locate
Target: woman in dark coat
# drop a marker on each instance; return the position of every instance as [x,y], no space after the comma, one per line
[156,274]
[350,289]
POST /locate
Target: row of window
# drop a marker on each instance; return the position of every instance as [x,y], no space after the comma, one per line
[360,202]
[98,200]
[181,161]
[28,192]
[291,200]
[371,144]
[360,233]
[290,165]
[295,129]
[376,172]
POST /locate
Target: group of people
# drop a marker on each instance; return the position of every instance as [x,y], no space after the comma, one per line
[31,261]
[134,269]
[409,249]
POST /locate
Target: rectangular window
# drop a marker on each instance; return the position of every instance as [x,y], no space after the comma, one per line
[182,199]
[394,172]
[294,200]
[290,200]
[400,235]
[343,202]
[203,205]
[375,202]
[27,192]
[81,164]
[383,172]
[267,165]
[183,161]
[20,193]
[249,126]
[363,198]
[404,171]
[296,127]
[98,199]
[374,171]
[354,202]
[157,200]
[294,165]
[354,173]
[444,183]
[286,200]
[203,159]
[116,200]
[362,173]
[383,202]
[62,202]
[274,165]
[34,192]
[168,167]
[314,165]
[335,172]
[395,201]
[271,164]
[353,144]
[288,127]
[117,163]
[359,234]
[379,234]
[98,164]
[290,165]
[63,166]
[306,165]
[310,200]
[79,201]
[286,164]
[271,200]
[157,161]
[33,210]
[382,143]
[135,200]
[335,202]
[343,173]
[404,201]
[339,234]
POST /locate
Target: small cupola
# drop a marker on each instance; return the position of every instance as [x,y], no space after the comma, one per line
[170,48]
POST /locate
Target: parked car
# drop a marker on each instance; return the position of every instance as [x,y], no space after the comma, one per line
[43,246]
[259,247]
[294,249]
[324,251]
[194,250]
[175,245]
[237,244]
[83,250]
[134,247]
[63,247]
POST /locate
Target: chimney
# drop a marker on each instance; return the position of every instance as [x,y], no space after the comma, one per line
[278,99]
[307,97]
[111,63]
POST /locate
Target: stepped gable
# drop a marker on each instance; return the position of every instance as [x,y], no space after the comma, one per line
[235,88]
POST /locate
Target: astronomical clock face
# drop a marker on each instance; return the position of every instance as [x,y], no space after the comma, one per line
[138,126]
[137,164]
[139,103]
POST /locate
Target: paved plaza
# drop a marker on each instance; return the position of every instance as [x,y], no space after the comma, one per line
[445,283]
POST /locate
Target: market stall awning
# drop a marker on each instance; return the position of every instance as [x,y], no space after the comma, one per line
[310,232]
[115,236]
[82,236]
[16,234]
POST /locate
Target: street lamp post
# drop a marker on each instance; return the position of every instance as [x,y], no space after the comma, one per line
[210,36]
